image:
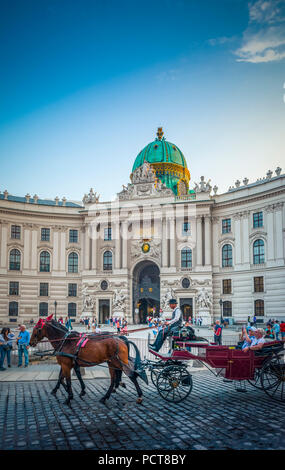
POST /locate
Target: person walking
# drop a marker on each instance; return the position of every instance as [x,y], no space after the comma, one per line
[276,329]
[23,341]
[6,338]
[217,333]
[282,330]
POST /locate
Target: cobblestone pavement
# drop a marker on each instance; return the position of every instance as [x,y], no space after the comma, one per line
[214,416]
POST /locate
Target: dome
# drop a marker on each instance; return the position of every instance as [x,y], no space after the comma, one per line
[168,162]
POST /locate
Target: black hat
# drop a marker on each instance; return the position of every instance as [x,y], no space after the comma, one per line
[172,301]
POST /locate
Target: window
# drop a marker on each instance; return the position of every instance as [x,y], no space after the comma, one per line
[104,285]
[107,261]
[186,258]
[108,233]
[227,256]
[72,309]
[44,262]
[259,308]
[16,231]
[14,288]
[258,219]
[73,236]
[227,286]
[186,228]
[45,234]
[258,252]
[13,309]
[15,260]
[44,289]
[43,309]
[258,284]
[185,283]
[73,263]
[72,290]
[227,309]
[226,225]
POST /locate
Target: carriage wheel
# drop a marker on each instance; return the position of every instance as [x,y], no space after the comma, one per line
[255,382]
[153,375]
[174,383]
[272,378]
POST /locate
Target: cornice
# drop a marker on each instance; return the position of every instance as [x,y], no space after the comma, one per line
[248,199]
[46,215]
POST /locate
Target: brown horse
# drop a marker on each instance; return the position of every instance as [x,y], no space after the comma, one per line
[98,349]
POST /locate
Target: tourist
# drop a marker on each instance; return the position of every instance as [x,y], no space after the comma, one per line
[254,320]
[257,342]
[68,323]
[276,329]
[269,332]
[98,329]
[248,321]
[217,328]
[23,341]
[282,330]
[118,325]
[5,347]
[250,337]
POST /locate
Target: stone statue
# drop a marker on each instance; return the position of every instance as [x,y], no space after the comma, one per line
[88,300]
[203,299]
[119,301]
[91,197]
[164,301]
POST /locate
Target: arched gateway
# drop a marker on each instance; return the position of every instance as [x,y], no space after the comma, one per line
[146,291]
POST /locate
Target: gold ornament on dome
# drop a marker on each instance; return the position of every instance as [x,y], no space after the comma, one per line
[159,133]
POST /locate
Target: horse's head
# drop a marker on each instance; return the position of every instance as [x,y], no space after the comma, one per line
[39,331]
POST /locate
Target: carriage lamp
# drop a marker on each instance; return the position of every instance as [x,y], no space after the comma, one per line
[55,304]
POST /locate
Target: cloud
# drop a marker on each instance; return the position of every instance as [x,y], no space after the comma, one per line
[264,38]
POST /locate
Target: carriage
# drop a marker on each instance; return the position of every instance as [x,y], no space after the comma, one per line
[264,369]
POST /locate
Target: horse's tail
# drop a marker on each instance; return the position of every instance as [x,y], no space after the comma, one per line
[138,363]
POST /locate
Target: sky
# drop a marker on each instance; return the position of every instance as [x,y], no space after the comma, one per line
[84,84]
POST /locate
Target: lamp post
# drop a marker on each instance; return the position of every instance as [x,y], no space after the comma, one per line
[221,306]
[55,304]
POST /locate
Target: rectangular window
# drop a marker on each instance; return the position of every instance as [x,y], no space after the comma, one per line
[14,288]
[186,228]
[45,234]
[108,233]
[259,308]
[72,290]
[227,286]
[258,219]
[44,289]
[73,236]
[258,284]
[16,231]
[226,225]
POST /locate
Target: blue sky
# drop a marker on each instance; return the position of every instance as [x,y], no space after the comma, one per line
[85,84]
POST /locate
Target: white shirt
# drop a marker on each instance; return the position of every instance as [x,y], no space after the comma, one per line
[178,314]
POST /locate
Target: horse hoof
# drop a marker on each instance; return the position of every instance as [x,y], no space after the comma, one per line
[139,401]
[123,385]
[53,392]
[102,400]
[82,393]
[67,402]
[114,391]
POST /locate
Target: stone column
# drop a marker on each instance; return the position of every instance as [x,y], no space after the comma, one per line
[125,244]
[279,232]
[86,247]
[269,256]
[245,238]
[94,247]
[172,232]
[215,249]
[199,240]
[164,244]
[237,259]
[26,248]
[62,249]
[35,261]
[117,246]
[55,257]
[4,236]
[207,240]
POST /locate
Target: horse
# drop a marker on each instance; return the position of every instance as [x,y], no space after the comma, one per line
[74,351]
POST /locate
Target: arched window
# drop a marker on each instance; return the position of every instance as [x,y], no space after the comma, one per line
[13,309]
[15,260]
[43,309]
[258,252]
[227,309]
[44,262]
[227,256]
[107,261]
[259,308]
[73,263]
[186,258]
[72,309]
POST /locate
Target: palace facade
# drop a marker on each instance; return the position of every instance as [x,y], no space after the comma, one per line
[218,254]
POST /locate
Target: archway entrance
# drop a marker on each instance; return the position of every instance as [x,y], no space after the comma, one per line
[146,291]
[186,306]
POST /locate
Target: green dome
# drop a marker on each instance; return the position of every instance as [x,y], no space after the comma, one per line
[168,162]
